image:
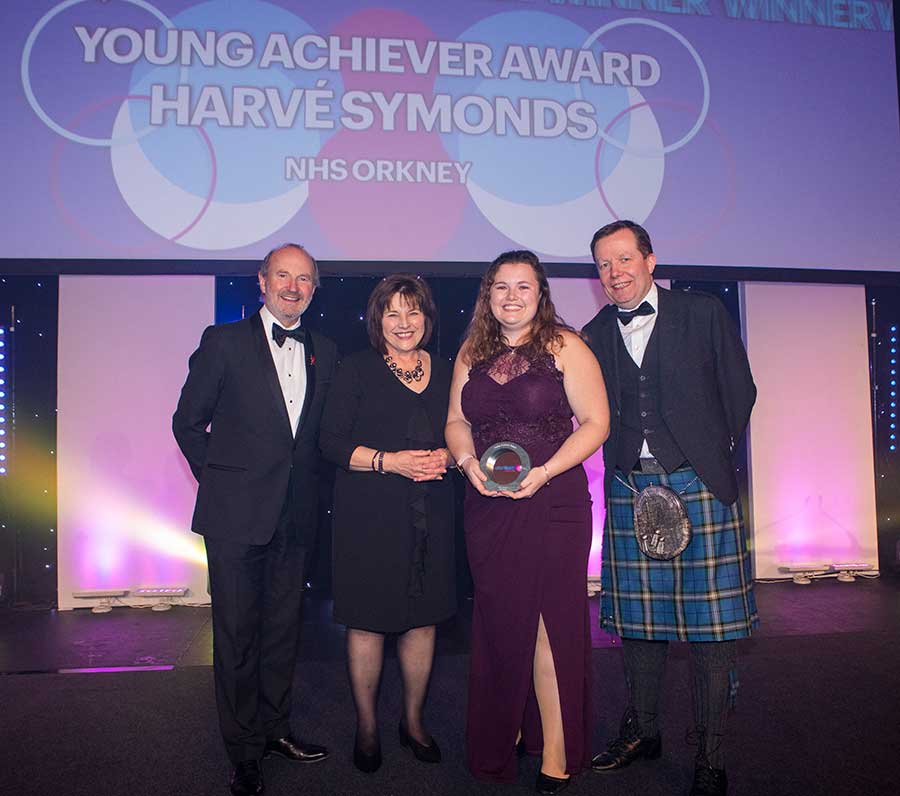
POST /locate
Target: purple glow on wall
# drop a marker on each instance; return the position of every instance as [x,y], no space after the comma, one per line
[812,486]
[125,493]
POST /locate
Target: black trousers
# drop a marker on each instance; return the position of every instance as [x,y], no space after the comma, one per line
[711,665]
[256,594]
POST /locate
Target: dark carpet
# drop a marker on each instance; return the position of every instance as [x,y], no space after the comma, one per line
[818,709]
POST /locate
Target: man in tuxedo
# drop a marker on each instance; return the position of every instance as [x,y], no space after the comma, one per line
[680,393]
[258,386]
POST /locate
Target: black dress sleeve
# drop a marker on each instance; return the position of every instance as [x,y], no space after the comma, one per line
[340,414]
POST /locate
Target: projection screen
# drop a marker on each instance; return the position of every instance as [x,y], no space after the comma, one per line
[741,132]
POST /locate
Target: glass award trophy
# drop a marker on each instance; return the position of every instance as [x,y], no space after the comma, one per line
[505,464]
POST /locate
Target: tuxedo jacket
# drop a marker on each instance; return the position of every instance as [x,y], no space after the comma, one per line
[249,456]
[706,390]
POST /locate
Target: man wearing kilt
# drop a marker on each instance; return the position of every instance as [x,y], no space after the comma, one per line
[680,393]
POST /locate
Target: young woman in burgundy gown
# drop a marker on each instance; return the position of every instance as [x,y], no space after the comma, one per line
[520,376]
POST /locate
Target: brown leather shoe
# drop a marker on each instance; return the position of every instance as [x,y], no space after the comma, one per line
[292,749]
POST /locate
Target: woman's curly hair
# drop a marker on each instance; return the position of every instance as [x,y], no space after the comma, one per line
[484,339]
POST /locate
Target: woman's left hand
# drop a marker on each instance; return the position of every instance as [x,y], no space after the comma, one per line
[448,459]
[537,477]
[416,465]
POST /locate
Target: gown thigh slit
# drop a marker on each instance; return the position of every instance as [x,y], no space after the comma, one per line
[556,695]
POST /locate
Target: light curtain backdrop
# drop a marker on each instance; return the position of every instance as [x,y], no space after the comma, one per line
[125,493]
[812,468]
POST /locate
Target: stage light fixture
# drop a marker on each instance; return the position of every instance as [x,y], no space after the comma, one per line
[106,597]
[847,572]
[4,470]
[165,593]
[803,572]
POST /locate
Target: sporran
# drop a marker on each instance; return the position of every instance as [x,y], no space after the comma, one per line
[662,527]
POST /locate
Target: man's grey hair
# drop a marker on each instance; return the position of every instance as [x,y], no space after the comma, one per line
[264,266]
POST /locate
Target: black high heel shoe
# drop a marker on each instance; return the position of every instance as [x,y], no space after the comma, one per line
[367,762]
[548,785]
[426,754]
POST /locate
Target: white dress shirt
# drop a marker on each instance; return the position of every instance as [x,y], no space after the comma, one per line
[290,364]
[636,336]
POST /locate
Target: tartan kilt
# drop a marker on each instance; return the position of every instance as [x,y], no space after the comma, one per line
[704,594]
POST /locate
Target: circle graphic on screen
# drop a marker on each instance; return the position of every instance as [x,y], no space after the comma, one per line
[541,192]
[164,177]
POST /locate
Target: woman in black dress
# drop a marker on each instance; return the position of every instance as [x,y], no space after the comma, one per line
[393,508]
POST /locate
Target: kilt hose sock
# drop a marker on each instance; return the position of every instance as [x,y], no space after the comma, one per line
[711,665]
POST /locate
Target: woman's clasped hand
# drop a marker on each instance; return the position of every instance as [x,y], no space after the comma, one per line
[418,465]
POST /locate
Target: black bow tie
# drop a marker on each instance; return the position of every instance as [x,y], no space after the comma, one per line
[644,309]
[279,335]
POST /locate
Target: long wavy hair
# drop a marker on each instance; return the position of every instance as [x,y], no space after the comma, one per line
[484,338]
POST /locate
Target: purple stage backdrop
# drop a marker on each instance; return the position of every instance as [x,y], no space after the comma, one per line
[742,132]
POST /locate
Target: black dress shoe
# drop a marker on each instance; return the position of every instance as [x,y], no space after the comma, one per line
[247,779]
[550,785]
[623,751]
[292,749]
[709,781]
[426,754]
[367,762]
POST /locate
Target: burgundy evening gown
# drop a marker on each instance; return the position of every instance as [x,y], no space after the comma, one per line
[528,558]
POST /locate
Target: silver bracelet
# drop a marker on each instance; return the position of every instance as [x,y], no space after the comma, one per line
[461,462]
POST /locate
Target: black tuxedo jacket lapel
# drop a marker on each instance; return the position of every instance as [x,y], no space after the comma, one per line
[310,362]
[264,355]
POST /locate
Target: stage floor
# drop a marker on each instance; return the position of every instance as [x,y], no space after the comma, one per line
[122,703]
[51,641]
